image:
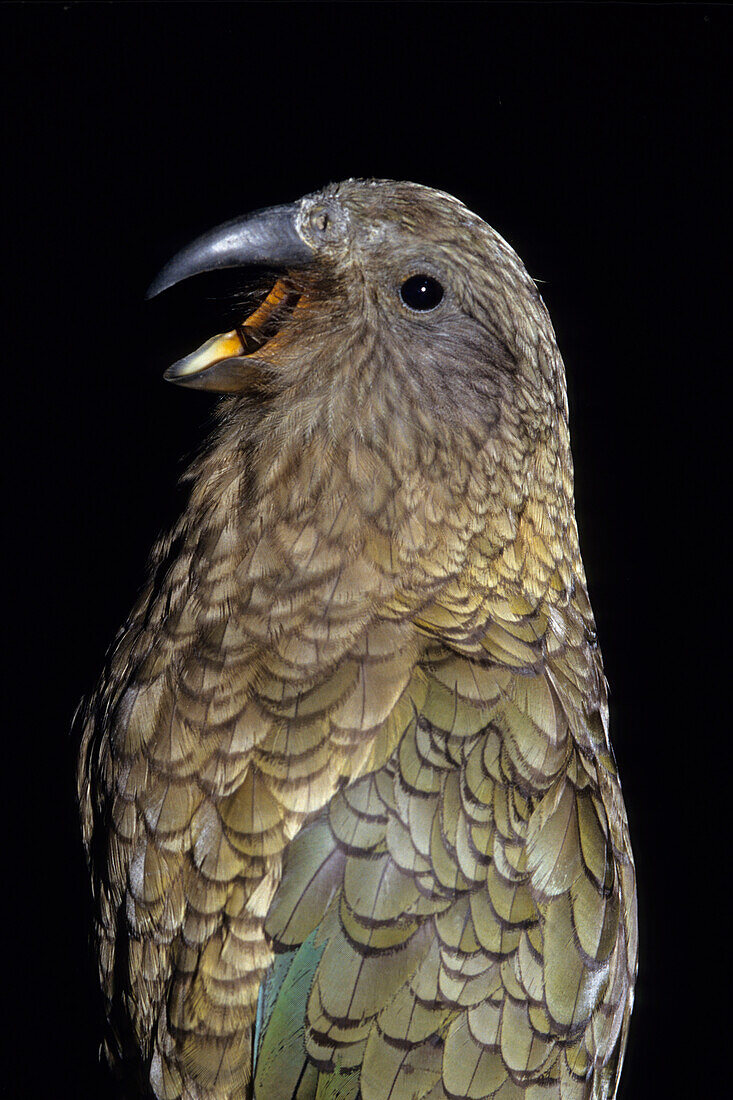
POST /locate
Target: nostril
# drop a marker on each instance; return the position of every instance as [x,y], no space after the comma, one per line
[324,222]
[319,220]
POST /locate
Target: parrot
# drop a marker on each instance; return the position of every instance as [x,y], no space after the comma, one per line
[352,817]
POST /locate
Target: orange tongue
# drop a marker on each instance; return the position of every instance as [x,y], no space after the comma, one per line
[200,369]
[264,312]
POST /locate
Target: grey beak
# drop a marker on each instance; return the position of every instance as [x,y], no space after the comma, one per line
[268,238]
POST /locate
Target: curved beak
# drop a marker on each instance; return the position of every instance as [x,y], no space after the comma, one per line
[267,238]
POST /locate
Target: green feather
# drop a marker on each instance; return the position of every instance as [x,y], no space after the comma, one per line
[280,1044]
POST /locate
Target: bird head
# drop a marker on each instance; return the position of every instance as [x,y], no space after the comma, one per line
[401,341]
[395,283]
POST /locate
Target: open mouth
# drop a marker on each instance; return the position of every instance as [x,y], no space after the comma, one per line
[225,363]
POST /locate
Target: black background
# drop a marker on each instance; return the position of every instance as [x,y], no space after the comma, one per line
[593,138]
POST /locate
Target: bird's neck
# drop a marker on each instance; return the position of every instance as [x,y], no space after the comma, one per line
[437,506]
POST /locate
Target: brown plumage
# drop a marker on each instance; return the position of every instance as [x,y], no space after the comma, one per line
[347,784]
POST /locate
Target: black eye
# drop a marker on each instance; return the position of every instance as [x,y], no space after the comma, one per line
[421,292]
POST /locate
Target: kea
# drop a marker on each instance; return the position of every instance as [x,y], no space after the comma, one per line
[353,821]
